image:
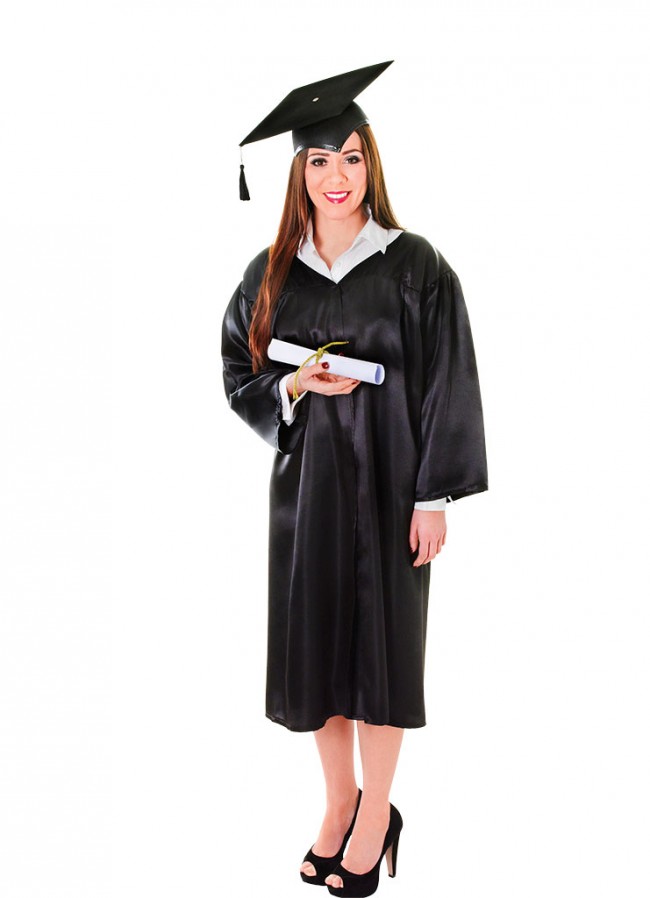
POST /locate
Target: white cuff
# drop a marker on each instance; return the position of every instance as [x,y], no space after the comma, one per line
[432,504]
[288,405]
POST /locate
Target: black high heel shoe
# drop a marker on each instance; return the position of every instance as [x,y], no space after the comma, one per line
[324,865]
[360,885]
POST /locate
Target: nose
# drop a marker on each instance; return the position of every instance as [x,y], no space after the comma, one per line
[337,173]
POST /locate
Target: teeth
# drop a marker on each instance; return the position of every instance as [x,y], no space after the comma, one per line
[338,196]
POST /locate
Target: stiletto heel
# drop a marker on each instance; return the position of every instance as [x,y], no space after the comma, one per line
[391,857]
[324,865]
[360,885]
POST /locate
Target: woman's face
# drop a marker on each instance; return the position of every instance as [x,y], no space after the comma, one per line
[337,182]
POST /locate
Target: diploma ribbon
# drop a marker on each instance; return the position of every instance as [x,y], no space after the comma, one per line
[315,355]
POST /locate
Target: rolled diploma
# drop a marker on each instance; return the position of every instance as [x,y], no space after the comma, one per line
[369,372]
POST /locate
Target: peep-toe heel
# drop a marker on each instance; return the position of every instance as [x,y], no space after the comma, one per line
[324,865]
[360,885]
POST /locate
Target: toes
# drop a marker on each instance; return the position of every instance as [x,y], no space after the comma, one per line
[308,869]
[334,881]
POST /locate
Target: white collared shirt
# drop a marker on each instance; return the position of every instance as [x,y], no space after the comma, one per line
[371,238]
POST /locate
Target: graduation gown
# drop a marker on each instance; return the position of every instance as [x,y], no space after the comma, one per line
[347,611]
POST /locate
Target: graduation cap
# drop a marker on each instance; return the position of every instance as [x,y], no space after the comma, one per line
[322,114]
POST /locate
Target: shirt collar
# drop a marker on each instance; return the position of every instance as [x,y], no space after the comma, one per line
[371,231]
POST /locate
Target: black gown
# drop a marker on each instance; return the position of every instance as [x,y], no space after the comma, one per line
[347,611]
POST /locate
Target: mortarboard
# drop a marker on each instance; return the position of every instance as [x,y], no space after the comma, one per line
[322,114]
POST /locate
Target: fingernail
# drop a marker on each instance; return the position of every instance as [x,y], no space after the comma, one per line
[326,364]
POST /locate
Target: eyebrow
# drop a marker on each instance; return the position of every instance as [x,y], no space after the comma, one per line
[325,153]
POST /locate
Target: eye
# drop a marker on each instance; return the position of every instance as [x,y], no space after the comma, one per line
[318,161]
[353,159]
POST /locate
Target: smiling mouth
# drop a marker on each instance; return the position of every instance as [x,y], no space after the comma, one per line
[338,197]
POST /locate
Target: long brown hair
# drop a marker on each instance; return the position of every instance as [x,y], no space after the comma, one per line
[293,225]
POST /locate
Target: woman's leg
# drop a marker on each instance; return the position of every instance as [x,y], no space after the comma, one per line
[335,743]
[379,747]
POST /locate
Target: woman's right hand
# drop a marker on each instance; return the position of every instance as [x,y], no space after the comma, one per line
[318,379]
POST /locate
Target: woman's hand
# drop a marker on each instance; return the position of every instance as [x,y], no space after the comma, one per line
[317,379]
[427,533]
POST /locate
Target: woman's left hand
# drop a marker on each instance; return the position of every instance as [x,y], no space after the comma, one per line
[427,534]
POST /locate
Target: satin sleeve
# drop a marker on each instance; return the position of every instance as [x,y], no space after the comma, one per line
[453,460]
[289,406]
[255,396]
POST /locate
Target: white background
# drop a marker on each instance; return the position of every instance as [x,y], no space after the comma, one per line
[136,759]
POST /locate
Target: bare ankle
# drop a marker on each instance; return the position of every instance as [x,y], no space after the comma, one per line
[343,800]
[375,807]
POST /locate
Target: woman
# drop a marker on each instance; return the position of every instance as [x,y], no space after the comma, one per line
[361,474]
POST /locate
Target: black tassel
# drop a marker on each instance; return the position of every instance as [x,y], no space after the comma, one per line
[243,186]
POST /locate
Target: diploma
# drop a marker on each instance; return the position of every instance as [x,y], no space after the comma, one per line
[369,372]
